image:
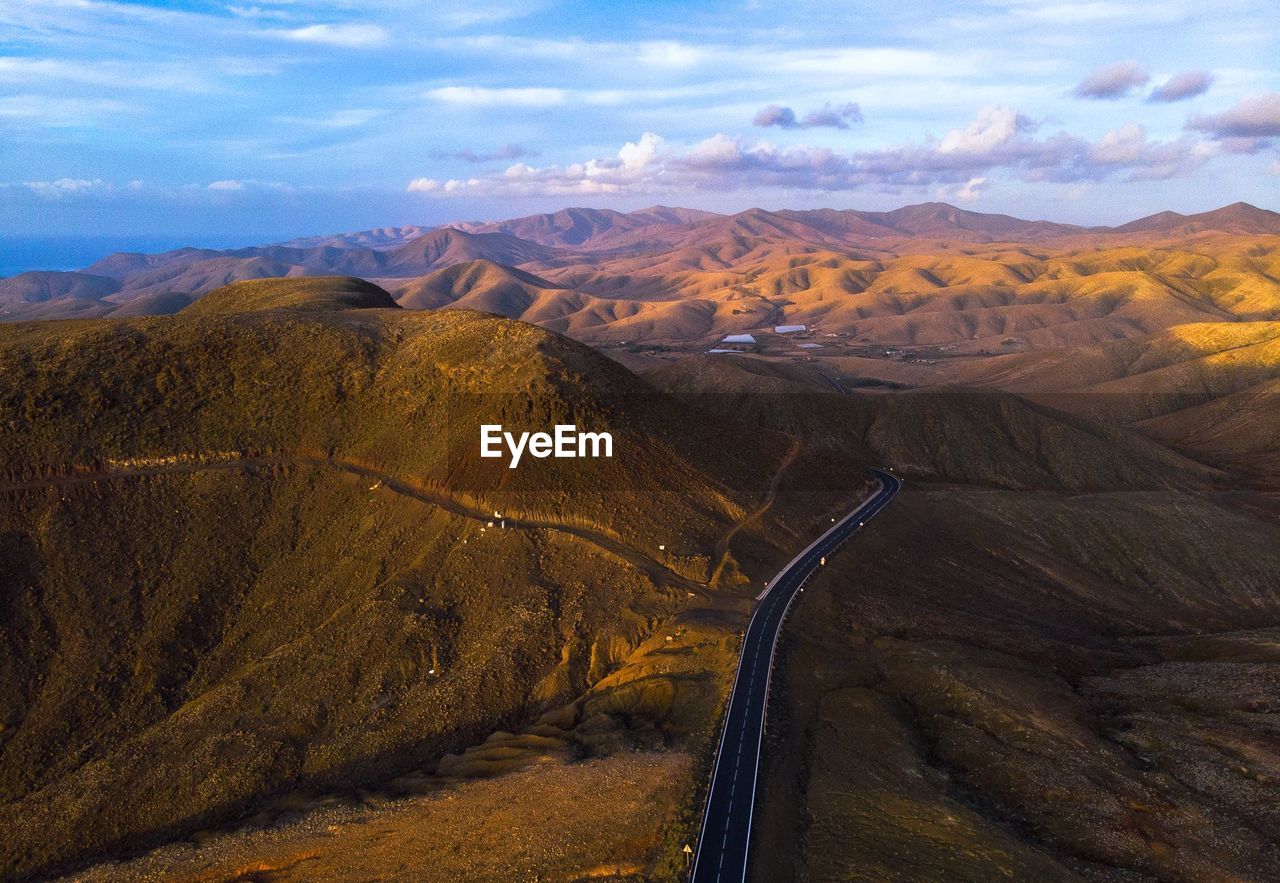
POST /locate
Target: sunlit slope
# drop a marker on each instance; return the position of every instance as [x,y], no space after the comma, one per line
[975,298]
[320,294]
[1208,389]
[930,275]
[507,291]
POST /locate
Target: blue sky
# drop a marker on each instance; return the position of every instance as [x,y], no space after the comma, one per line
[293,116]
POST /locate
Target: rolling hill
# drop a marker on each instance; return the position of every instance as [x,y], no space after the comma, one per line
[252,565]
[1208,389]
[924,276]
[252,549]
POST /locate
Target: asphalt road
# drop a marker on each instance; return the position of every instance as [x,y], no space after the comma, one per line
[726,824]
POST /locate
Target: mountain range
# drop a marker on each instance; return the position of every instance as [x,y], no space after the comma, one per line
[266,613]
[668,275]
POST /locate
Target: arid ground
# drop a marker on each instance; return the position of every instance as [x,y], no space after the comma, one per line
[267,615]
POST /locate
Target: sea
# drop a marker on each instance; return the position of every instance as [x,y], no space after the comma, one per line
[21,253]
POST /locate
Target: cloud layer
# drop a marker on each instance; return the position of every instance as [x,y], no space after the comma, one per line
[345,102]
[999,142]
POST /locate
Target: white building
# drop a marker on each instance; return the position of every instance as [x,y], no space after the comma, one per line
[787,329]
[739,338]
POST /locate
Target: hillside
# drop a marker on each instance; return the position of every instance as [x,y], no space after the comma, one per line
[1062,687]
[250,550]
[489,287]
[956,435]
[593,229]
[928,277]
[1206,388]
[378,238]
[40,294]
[312,294]
[1054,654]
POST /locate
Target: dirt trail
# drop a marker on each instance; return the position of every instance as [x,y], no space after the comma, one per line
[654,569]
[721,554]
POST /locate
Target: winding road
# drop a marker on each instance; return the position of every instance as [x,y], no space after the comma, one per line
[726,824]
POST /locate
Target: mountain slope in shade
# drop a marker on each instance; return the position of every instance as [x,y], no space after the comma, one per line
[932,220]
[978,437]
[1236,430]
[51,294]
[38,286]
[227,606]
[447,246]
[943,221]
[1063,687]
[197,271]
[1211,390]
[586,228]
[127,263]
[379,238]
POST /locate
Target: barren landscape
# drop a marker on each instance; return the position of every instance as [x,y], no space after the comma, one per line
[267,615]
[663,442]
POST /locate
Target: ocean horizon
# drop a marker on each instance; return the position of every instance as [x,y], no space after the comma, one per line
[21,254]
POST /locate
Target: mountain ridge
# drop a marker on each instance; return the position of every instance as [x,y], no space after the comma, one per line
[757,261]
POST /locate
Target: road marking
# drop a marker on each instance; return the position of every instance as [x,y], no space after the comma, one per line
[748,712]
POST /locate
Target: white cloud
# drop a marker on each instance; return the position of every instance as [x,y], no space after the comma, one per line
[349,118]
[641,154]
[59,112]
[1121,145]
[423,185]
[348,36]
[862,61]
[669,54]
[992,127]
[41,72]
[481,96]
[65,187]
[971,189]
[998,143]
[227,185]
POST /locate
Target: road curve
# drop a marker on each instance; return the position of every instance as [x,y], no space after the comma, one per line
[726,823]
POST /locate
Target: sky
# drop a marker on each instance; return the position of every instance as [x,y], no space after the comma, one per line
[290,117]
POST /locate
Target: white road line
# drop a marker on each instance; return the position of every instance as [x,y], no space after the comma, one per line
[866,509]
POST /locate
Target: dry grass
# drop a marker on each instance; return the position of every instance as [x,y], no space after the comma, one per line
[553,822]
